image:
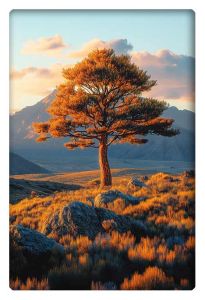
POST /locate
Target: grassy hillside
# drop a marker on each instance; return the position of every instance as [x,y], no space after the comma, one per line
[161,258]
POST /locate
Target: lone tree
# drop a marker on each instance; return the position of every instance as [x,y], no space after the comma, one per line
[101,103]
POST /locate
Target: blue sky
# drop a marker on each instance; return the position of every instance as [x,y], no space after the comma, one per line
[146,31]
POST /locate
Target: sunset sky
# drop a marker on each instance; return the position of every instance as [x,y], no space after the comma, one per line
[43,42]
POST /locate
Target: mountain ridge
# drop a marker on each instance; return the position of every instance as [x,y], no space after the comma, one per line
[22,140]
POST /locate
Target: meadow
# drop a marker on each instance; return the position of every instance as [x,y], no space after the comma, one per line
[160,257]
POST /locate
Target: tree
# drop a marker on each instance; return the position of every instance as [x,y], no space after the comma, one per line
[101,103]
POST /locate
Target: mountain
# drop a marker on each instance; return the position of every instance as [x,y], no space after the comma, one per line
[19,165]
[53,154]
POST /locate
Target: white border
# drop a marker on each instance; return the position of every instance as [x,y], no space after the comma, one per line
[6,7]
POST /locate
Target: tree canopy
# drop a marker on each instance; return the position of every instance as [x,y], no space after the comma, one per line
[101,103]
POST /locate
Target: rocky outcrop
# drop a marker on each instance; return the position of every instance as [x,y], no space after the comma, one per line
[103,199]
[32,241]
[81,219]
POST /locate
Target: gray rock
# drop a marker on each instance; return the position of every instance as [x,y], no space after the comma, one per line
[144,178]
[12,219]
[122,223]
[76,219]
[33,241]
[189,174]
[135,182]
[81,219]
[103,199]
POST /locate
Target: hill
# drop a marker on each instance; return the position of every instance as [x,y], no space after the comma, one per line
[20,165]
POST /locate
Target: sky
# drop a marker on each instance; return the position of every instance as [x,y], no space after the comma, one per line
[44,42]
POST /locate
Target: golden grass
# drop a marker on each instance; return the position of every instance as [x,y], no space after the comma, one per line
[152,278]
[168,205]
[30,284]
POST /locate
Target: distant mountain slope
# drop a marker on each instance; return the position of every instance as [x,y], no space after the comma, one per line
[19,165]
[22,141]
[21,188]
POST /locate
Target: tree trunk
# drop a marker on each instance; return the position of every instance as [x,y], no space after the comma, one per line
[105,174]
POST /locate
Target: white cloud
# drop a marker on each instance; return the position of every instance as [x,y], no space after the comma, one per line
[49,46]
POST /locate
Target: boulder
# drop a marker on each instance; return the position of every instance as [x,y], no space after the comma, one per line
[78,218]
[32,254]
[144,178]
[121,223]
[189,174]
[171,179]
[135,182]
[103,199]
[32,241]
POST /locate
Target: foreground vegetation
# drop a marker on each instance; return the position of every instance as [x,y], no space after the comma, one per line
[163,258]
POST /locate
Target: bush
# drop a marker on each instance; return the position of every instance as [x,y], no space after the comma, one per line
[152,279]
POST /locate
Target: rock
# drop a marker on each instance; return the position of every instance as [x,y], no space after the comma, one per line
[78,218]
[189,174]
[144,178]
[32,241]
[134,182]
[12,219]
[103,199]
[171,179]
[32,254]
[121,223]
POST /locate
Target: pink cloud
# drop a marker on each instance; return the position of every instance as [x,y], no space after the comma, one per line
[174,74]
[51,46]
[31,84]
[119,45]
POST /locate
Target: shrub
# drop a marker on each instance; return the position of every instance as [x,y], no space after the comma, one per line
[152,278]
[29,284]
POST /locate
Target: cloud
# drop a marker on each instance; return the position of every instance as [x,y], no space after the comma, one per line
[36,72]
[119,45]
[174,74]
[50,46]
[31,84]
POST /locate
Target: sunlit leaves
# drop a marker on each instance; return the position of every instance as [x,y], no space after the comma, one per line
[101,98]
